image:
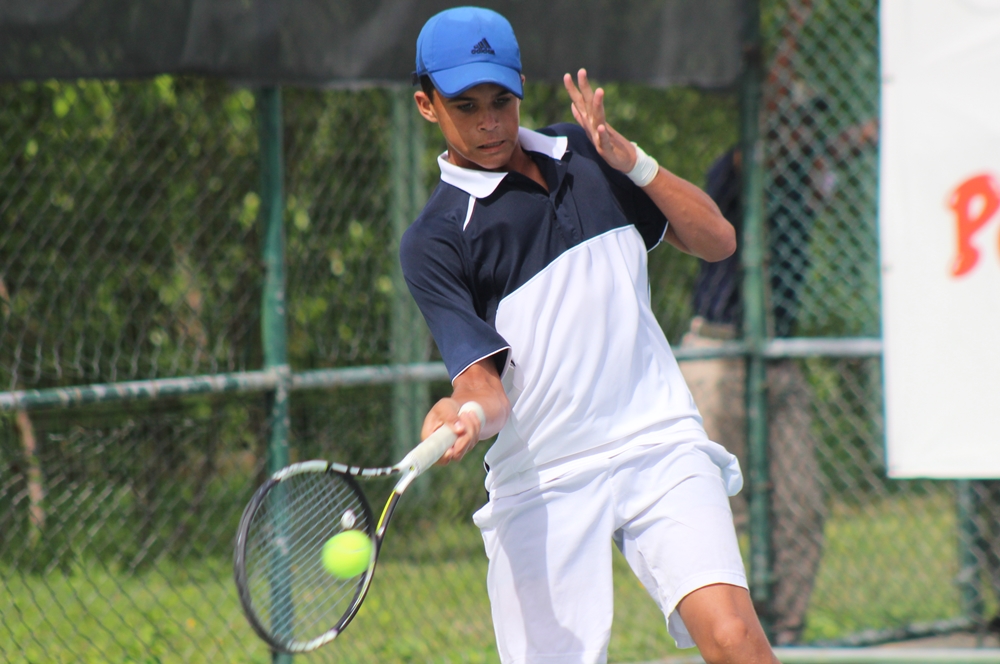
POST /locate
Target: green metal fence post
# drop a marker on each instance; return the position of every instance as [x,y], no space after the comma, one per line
[273,306]
[419,335]
[968,545]
[410,399]
[273,309]
[754,317]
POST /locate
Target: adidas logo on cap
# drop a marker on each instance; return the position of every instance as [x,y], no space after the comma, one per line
[483,47]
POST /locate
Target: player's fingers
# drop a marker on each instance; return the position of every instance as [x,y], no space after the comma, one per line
[603,139]
[445,458]
[456,453]
[466,427]
[576,97]
[574,92]
[597,106]
[578,106]
[463,446]
[585,120]
[585,89]
[449,454]
[444,411]
[472,423]
[458,450]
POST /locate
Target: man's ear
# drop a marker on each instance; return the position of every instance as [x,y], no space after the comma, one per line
[425,106]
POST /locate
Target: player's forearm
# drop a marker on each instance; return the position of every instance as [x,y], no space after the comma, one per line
[696,224]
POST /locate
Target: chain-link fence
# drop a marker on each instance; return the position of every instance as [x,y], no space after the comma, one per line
[131,251]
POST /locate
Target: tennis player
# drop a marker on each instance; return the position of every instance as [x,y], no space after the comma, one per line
[529,265]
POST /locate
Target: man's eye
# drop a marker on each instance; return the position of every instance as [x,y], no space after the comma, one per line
[502,101]
[465,108]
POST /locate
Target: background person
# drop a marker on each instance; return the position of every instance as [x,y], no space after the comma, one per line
[801,161]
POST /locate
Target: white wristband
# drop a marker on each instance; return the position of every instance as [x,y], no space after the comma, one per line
[645,168]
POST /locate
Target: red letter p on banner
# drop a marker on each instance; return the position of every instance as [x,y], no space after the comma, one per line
[969,221]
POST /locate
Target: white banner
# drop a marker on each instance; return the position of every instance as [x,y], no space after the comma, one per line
[939,214]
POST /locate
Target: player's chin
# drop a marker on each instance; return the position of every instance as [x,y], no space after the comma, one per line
[494,156]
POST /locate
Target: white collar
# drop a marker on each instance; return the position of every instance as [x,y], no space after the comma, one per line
[481,184]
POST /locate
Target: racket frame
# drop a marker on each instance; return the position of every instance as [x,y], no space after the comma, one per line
[418,460]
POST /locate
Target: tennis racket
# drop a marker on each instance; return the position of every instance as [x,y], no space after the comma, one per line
[290,599]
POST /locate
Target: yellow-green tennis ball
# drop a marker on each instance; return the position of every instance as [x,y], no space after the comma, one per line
[347,554]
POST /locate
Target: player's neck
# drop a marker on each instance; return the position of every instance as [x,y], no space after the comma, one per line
[521,162]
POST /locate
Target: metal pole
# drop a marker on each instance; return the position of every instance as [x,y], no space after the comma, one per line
[273,310]
[968,545]
[754,318]
[419,334]
[410,400]
[423,371]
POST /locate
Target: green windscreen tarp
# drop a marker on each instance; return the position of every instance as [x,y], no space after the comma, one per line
[336,42]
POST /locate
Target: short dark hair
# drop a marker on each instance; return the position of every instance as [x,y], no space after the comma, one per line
[427,85]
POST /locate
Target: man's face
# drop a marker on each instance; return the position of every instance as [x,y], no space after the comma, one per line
[480,125]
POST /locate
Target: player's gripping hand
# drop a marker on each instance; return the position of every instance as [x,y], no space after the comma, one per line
[465,425]
[588,109]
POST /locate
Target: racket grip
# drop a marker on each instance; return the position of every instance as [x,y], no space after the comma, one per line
[430,450]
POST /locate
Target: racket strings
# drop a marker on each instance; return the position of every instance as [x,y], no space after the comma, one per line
[317,536]
[292,594]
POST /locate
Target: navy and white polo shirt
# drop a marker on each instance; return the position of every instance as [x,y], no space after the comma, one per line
[552,286]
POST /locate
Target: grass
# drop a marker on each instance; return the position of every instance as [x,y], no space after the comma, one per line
[419,610]
[887,563]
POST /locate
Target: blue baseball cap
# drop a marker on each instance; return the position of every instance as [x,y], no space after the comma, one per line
[465,46]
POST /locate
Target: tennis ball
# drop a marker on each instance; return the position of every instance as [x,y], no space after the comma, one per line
[347,554]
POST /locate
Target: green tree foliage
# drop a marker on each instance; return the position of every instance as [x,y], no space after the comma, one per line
[127,251]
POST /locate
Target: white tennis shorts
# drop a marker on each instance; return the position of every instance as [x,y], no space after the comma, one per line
[549,576]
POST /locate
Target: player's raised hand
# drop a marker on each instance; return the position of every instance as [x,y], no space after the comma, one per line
[588,109]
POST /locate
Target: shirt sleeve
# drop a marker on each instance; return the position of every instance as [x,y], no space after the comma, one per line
[633,201]
[434,268]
